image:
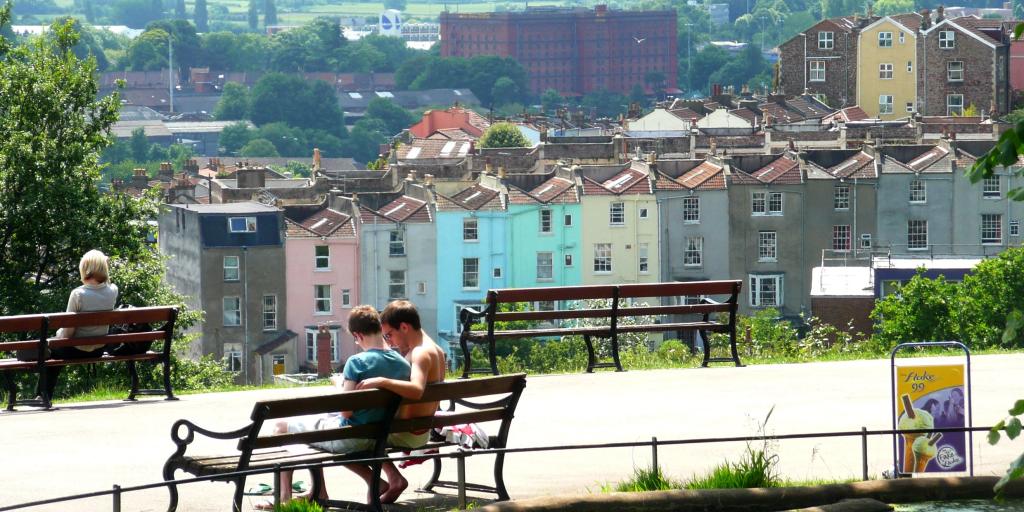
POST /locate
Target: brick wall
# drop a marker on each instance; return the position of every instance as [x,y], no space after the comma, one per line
[840,83]
[978,60]
[840,311]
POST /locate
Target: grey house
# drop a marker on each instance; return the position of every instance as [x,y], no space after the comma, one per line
[693,209]
[985,218]
[398,254]
[841,202]
[915,200]
[229,260]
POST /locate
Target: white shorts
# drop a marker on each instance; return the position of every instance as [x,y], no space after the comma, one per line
[328,422]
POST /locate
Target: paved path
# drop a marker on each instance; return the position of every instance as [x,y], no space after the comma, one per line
[85,447]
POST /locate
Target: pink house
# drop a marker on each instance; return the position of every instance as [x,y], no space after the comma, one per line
[1016,67]
[322,276]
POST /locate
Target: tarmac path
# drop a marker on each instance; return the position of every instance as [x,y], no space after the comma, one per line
[86,447]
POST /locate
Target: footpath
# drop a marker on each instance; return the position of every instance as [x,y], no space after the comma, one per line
[86,447]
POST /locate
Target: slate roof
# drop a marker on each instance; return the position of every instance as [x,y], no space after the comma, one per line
[783,170]
[403,209]
[842,163]
[324,222]
[477,197]
[553,191]
[915,159]
[854,113]
[630,181]
[434,148]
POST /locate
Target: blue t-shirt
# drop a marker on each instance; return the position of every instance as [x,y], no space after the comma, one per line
[374,363]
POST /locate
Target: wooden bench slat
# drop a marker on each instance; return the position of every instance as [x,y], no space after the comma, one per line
[679,289]
[551,293]
[133,337]
[148,356]
[21,323]
[14,364]
[445,420]
[568,314]
[11,346]
[337,402]
[119,316]
[542,333]
[368,431]
[471,388]
[682,326]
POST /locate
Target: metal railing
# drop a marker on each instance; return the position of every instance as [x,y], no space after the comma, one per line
[117,491]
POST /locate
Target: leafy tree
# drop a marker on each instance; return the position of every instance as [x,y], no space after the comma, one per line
[88,12]
[505,91]
[363,143]
[257,148]
[394,117]
[328,144]
[139,145]
[887,7]
[287,140]
[301,104]
[179,9]
[656,81]
[550,100]
[705,63]
[187,47]
[410,70]
[741,69]
[236,52]
[134,13]
[398,5]
[253,15]
[233,104]
[269,13]
[201,16]
[157,6]
[234,137]
[605,103]
[503,135]
[148,52]
[920,310]
[637,94]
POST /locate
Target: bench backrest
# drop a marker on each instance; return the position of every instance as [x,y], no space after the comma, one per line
[41,325]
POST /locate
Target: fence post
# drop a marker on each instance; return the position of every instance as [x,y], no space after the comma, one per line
[277,485]
[654,453]
[864,451]
[117,498]
[460,460]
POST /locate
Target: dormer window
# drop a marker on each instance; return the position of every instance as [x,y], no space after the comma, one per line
[826,40]
[885,39]
[947,39]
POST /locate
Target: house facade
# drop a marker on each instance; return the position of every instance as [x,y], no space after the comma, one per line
[544,234]
[963,65]
[887,67]
[822,61]
[693,212]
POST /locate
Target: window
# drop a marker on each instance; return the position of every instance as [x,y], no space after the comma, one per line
[396,284]
[231,268]
[842,239]
[910,106]
[311,345]
[885,39]
[765,291]
[421,288]
[545,221]
[817,71]
[1014,228]
[917,234]
[758,206]
[270,312]
[885,104]
[826,40]
[545,266]
[990,188]
[346,298]
[954,104]
[691,210]
[470,272]
[643,213]
[323,257]
[469,231]
[617,214]
[233,357]
[918,192]
[955,71]
[567,220]
[766,244]
[602,257]
[496,272]
[775,203]
[322,298]
[693,254]
[885,71]
[841,197]
[766,203]
[991,228]
[232,311]
[910,67]
[242,224]
[903,37]
[643,253]
[947,39]
[865,240]
[397,244]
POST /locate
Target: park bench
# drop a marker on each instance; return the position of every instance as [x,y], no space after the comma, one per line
[263,450]
[33,333]
[568,308]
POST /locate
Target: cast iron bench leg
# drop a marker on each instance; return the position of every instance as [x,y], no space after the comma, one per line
[499,477]
[172,489]
[706,341]
[239,489]
[427,487]
[167,380]
[466,356]
[494,357]
[12,390]
[732,345]
[133,374]
[615,353]
[591,359]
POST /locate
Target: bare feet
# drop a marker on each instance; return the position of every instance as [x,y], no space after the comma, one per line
[395,489]
[384,488]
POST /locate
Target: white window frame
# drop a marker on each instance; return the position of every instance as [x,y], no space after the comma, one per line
[567,220]
[233,357]
[775,203]
[916,229]
[826,40]
[322,262]
[991,229]
[270,312]
[817,71]
[470,229]
[642,212]
[841,197]
[568,259]
[396,283]
[691,210]
[693,252]
[910,66]
[396,243]
[322,303]
[617,214]
[992,187]
[546,224]
[311,344]
[885,39]
[470,273]
[496,273]
[236,308]
[421,287]
[842,238]
[865,240]
[231,263]
[885,71]
[910,107]
[954,108]
[545,266]
[955,71]
[885,102]
[643,258]
[755,293]
[767,246]
[248,224]
[918,191]
[947,39]
[1014,227]
[346,297]
[602,258]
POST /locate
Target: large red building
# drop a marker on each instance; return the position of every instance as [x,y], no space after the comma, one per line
[574,51]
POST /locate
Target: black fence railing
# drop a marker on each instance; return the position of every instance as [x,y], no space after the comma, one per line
[117,491]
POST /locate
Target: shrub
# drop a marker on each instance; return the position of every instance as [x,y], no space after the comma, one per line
[647,479]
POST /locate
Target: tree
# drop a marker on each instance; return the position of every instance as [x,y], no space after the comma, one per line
[179,9]
[637,94]
[134,13]
[139,145]
[201,17]
[269,13]
[605,103]
[301,104]
[394,117]
[550,100]
[87,11]
[398,5]
[253,15]
[157,8]
[503,135]
[504,91]
[234,137]
[148,52]
[287,141]
[233,104]
[920,310]
[257,148]
[887,7]
[365,139]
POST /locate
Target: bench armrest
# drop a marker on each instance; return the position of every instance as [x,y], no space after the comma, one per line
[190,434]
[708,300]
[468,315]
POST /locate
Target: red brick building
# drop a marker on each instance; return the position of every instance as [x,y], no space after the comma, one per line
[574,51]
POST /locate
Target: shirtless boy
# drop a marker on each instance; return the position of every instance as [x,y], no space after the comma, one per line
[400,325]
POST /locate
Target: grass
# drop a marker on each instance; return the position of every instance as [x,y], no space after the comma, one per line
[755,469]
[119,392]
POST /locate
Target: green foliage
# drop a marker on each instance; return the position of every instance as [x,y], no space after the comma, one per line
[253,15]
[299,505]
[480,74]
[394,117]
[234,137]
[269,13]
[233,104]
[364,141]
[504,92]
[201,17]
[551,100]
[257,148]
[888,7]
[395,4]
[756,469]
[647,479]
[920,310]
[768,333]
[604,103]
[134,13]
[139,145]
[1012,426]
[277,97]
[503,135]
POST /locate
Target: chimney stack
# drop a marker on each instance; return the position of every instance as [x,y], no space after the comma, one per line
[316,160]
[428,180]
[166,171]
[139,178]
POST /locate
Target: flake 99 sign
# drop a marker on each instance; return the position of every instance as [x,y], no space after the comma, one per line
[931,396]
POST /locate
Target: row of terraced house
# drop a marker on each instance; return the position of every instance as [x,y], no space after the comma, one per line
[268,273]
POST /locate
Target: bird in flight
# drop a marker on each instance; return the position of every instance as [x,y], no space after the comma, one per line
[639,39]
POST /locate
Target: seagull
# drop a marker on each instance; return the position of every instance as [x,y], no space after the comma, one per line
[639,40]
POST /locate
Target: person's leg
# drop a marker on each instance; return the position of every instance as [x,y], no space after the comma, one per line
[396,484]
[366,474]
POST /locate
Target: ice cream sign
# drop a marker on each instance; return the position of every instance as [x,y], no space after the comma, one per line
[929,397]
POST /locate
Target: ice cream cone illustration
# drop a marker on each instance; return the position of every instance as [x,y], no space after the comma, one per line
[924,450]
[912,419]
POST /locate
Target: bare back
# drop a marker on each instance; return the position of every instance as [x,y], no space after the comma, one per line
[428,357]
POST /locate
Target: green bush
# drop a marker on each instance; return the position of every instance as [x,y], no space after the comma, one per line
[757,468]
[299,505]
[647,479]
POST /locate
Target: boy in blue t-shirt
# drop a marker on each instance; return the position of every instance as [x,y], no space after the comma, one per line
[376,360]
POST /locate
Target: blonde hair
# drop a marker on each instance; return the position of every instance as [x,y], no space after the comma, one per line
[94,266]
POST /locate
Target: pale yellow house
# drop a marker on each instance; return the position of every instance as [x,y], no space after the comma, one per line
[620,226]
[887,67]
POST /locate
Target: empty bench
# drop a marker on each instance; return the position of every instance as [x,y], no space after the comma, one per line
[257,448]
[569,309]
[32,332]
